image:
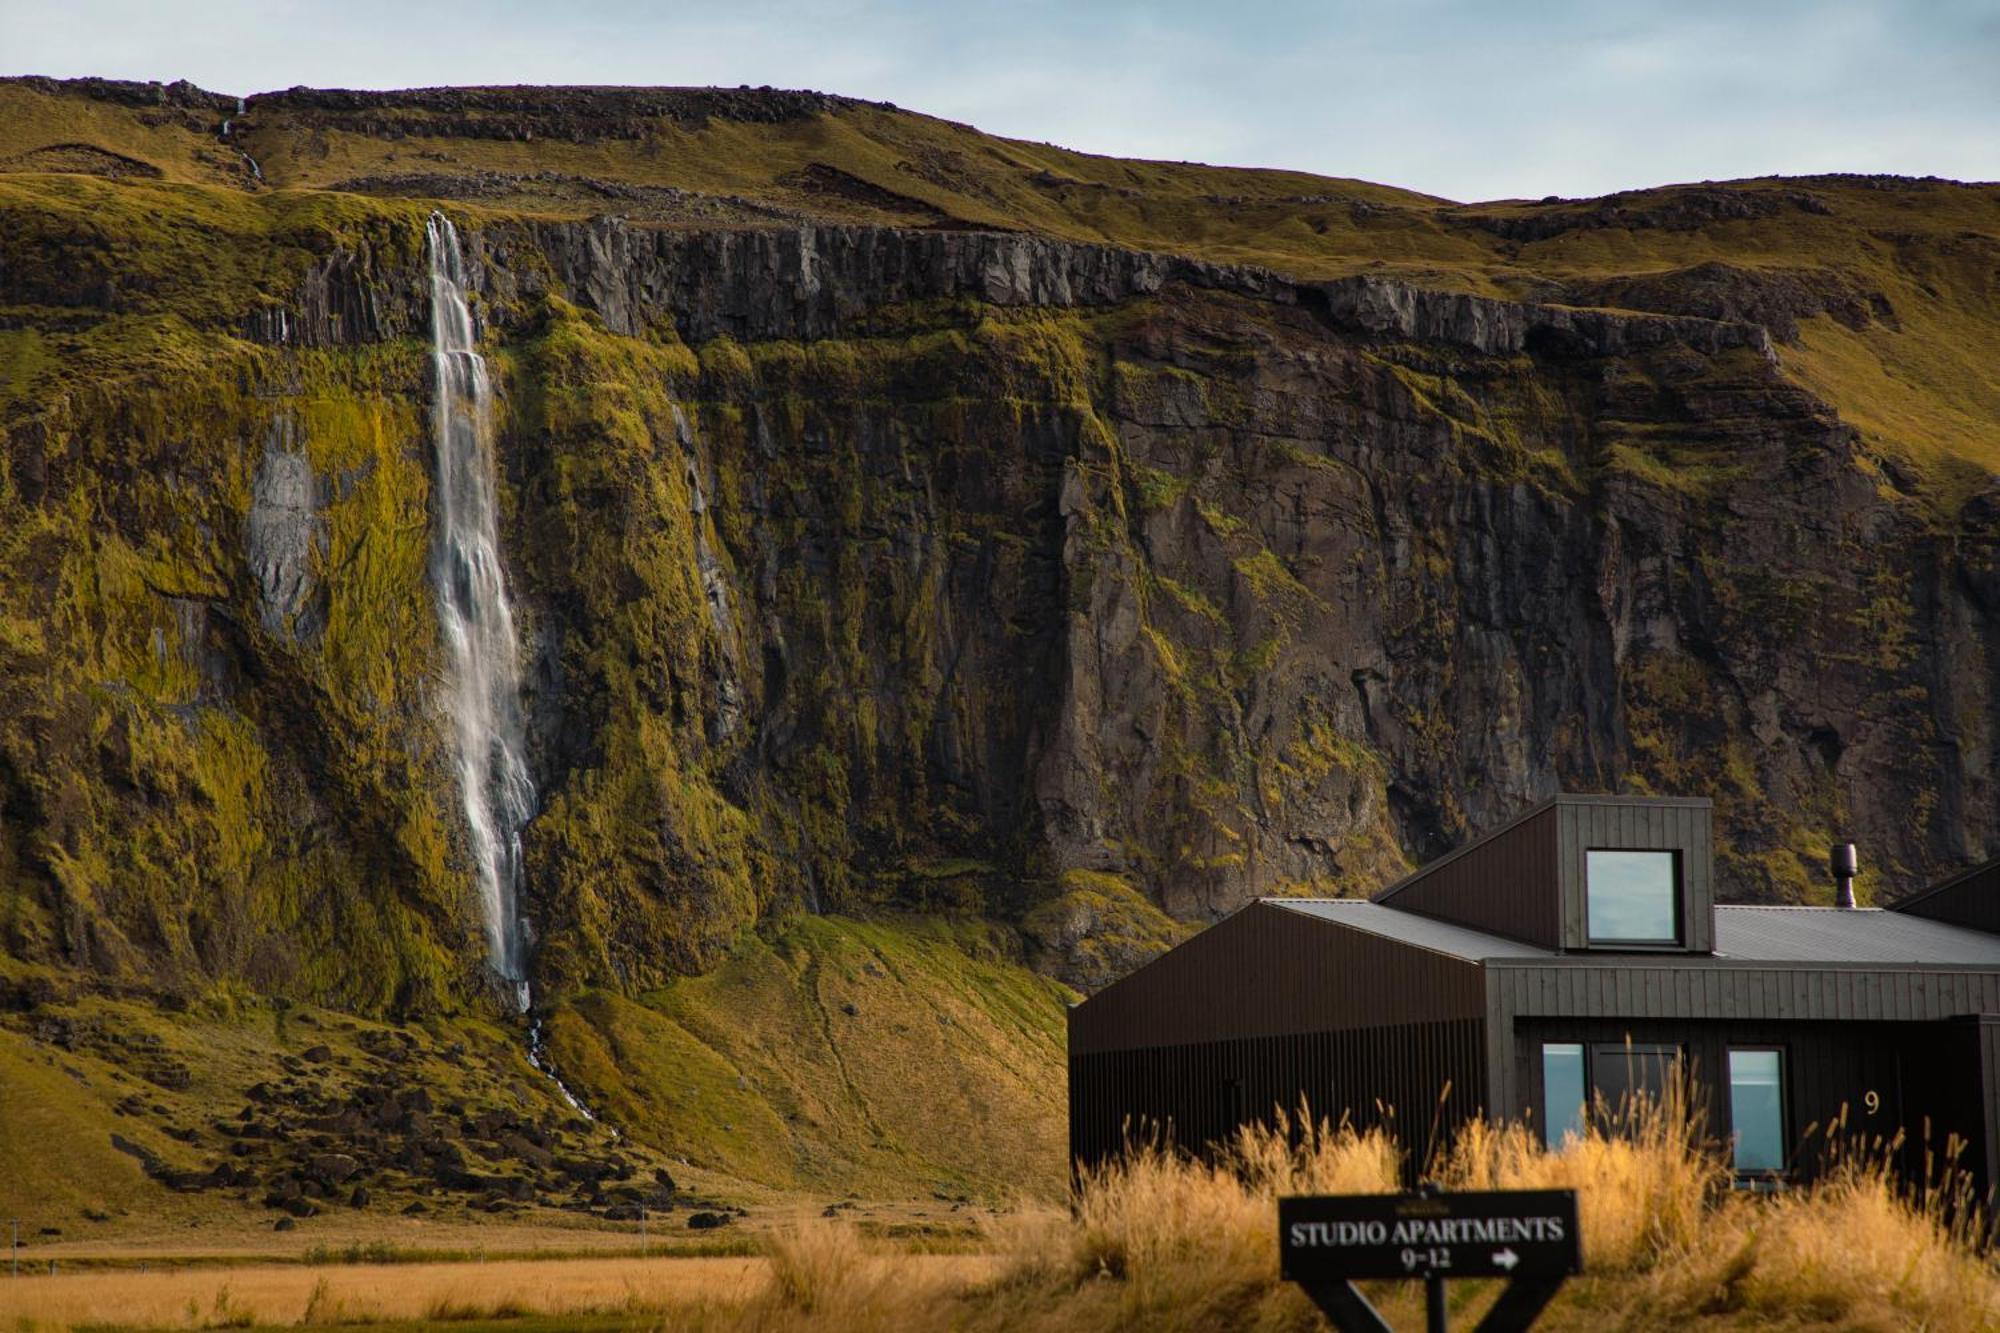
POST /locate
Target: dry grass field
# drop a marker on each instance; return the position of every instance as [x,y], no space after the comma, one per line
[302,1294]
[1160,1242]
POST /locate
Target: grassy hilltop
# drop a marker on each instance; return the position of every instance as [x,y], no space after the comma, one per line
[1892,279]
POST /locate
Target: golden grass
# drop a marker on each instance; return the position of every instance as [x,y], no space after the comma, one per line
[1156,1211]
[1161,1241]
[817,1268]
[360,1294]
[1850,1253]
[1640,1194]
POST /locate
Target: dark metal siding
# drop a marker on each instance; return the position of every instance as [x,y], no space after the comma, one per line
[1266,972]
[1682,826]
[1709,989]
[1505,884]
[1266,1007]
[1986,1051]
[1925,1078]
[1419,1079]
[1971,899]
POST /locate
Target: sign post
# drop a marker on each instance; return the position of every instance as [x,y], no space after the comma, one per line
[1528,1237]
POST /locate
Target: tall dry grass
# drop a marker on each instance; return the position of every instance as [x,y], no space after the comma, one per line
[1642,1191]
[1159,1240]
[1850,1253]
[1189,1238]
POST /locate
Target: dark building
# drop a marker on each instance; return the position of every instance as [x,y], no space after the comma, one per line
[1576,951]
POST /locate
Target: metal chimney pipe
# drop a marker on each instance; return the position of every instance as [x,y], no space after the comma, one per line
[1845,866]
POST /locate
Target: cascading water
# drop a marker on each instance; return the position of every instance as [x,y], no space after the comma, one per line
[483,685]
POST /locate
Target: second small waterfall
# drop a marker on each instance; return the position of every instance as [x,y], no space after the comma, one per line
[483,682]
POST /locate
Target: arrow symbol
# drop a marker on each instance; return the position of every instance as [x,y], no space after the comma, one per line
[1505,1259]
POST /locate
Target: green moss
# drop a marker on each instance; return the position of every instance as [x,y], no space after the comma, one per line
[1157,489]
[1693,479]
[1886,625]
[1191,600]
[1269,579]
[1100,927]
[1320,750]
[1219,521]
[180,838]
[1255,660]
[1168,658]
[199,254]
[835,1052]
[650,869]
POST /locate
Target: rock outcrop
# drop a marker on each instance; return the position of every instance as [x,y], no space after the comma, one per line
[948,567]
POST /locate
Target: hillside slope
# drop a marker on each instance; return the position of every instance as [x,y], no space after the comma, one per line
[895,1058]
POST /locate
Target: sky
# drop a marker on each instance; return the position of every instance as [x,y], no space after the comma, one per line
[1467,99]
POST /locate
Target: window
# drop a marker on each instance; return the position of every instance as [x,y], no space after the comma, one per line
[1563,1095]
[1632,897]
[1633,1079]
[1757,1109]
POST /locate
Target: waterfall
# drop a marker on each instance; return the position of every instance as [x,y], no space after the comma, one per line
[483,680]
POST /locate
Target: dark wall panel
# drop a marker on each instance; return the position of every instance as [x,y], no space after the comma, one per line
[1420,1079]
[1525,881]
[1830,1068]
[1915,1037]
[1685,826]
[1267,971]
[1971,899]
[1505,883]
[1983,1053]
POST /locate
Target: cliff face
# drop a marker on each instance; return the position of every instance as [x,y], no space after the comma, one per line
[954,569]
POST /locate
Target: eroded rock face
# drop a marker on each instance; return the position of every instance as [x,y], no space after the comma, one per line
[1336,574]
[286,526]
[993,572]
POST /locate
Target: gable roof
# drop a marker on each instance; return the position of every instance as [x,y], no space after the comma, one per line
[1743,934]
[1420,932]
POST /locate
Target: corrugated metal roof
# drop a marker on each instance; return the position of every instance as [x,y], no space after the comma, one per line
[1751,934]
[1861,935]
[1420,932]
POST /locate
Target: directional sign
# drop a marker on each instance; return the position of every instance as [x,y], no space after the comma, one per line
[1496,1233]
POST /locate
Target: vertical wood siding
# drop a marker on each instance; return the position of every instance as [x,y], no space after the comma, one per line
[1505,883]
[1423,1080]
[1677,826]
[1525,880]
[1971,899]
[1911,1035]
[1266,971]
[1264,1009]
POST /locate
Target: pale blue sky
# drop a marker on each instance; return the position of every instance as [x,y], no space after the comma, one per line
[1467,100]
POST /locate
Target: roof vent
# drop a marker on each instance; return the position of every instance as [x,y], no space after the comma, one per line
[1845,866]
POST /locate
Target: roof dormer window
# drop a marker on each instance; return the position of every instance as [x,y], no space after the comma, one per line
[1633,898]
